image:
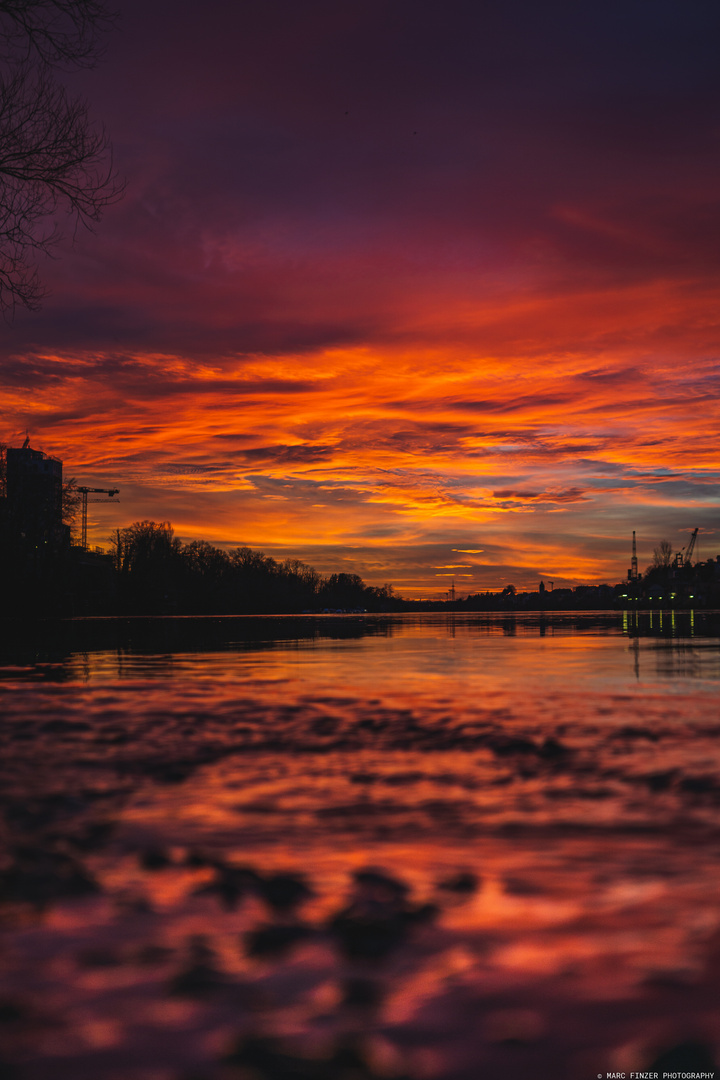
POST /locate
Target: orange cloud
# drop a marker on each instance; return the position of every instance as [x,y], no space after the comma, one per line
[387,446]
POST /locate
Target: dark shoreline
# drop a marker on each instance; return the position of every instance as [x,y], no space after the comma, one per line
[173,633]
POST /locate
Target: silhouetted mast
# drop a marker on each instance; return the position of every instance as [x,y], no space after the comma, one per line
[633,571]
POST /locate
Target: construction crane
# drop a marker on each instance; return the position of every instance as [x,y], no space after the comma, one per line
[633,571]
[691,546]
[85,491]
[683,556]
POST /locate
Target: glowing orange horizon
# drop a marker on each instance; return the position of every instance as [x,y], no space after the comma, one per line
[545,460]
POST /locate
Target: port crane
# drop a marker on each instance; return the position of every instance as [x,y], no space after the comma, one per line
[84,492]
[683,556]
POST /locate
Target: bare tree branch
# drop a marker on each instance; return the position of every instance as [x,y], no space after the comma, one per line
[60,33]
[52,157]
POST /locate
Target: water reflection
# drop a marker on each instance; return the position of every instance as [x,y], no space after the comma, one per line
[323,848]
[682,646]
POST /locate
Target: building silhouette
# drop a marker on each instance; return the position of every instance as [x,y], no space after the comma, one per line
[33,499]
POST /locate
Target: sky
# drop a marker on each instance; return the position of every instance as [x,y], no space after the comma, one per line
[424,290]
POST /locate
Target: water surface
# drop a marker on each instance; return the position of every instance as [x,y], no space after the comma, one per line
[416,846]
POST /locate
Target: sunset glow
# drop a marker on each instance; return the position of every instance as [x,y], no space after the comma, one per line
[456,320]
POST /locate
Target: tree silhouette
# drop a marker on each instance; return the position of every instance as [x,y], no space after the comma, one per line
[71,500]
[662,555]
[156,573]
[52,156]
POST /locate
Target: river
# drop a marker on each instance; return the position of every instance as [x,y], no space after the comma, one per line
[428,847]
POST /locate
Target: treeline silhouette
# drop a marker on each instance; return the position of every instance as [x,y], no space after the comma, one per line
[156,571]
[149,571]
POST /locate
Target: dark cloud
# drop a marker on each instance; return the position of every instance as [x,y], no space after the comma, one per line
[363,146]
[284,455]
[507,493]
[685,491]
[306,490]
[511,497]
[510,403]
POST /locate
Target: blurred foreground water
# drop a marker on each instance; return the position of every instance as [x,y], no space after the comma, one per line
[348,848]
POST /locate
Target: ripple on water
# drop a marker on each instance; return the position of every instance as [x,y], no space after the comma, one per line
[218,872]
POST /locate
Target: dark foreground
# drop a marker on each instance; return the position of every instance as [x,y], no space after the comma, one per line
[420,848]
